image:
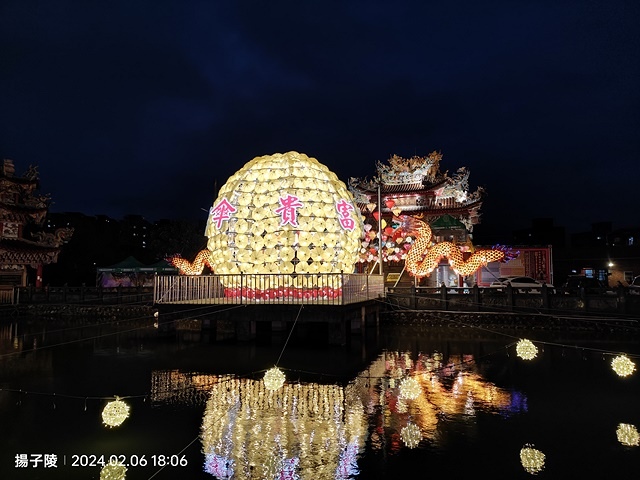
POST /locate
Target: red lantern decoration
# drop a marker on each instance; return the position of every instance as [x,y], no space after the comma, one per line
[376,215]
[390,204]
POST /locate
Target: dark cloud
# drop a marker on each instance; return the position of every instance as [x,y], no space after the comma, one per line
[141,107]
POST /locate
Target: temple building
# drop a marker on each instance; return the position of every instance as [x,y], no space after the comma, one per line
[23,242]
[416,188]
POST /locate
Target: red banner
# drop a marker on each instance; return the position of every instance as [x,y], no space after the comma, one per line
[534,262]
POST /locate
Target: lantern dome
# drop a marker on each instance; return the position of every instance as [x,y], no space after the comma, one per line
[285,214]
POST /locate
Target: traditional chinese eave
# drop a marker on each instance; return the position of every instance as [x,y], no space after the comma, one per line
[22,213]
[25,252]
[23,182]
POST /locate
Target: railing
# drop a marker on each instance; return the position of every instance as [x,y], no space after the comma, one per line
[320,289]
[81,295]
[540,299]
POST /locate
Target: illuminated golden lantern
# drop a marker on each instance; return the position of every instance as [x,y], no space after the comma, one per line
[410,388]
[271,207]
[628,435]
[623,366]
[115,412]
[532,460]
[411,435]
[273,379]
[113,471]
[526,350]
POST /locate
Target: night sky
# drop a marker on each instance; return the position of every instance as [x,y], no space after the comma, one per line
[141,106]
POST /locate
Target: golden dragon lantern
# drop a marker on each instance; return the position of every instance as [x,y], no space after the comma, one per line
[286,215]
[424,255]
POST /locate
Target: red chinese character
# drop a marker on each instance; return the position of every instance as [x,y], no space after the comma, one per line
[344,208]
[221,212]
[287,211]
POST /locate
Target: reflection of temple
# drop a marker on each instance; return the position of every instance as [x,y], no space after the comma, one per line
[22,242]
[418,188]
[448,389]
[317,431]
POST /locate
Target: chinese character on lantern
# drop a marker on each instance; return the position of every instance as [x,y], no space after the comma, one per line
[221,212]
[288,212]
[344,208]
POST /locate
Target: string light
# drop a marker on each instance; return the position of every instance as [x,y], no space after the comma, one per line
[526,350]
[628,435]
[623,366]
[411,435]
[115,412]
[532,459]
[274,379]
[113,471]
[410,388]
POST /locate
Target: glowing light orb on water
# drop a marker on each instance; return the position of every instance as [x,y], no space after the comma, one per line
[115,412]
[526,350]
[623,366]
[628,435]
[410,388]
[274,379]
[411,435]
[113,471]
[532,459]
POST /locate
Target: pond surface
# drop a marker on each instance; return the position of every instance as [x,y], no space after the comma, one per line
[400,402]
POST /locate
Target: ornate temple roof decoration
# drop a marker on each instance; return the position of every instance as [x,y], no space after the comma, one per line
[415,188]
[417,185]
[22,212]
[402,174]
[415,170]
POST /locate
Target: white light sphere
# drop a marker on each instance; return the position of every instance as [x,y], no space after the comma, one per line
[274,379]
[627,435]
[113,471]
[115,412]
[410,388]
[526,350]
[623,366]
[532,459]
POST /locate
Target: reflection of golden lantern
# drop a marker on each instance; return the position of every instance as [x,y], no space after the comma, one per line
[274,379]
[628,435]
[115,412]
[410,388]
[299,431]
[113,471]
[526,350]
[411,435]
[623,366]
[532,460]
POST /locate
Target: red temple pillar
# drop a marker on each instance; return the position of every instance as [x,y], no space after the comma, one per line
[39,276]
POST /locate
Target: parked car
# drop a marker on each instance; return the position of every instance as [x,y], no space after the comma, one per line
[591,286]
[634,286]
[520,284]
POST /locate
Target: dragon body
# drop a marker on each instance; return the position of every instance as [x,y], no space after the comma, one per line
[204,257]
[424,256]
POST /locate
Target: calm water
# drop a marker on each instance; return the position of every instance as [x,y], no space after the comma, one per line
[197,405]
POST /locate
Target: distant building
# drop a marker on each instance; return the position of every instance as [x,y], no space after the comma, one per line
[543,231]
[608,254]
[23,241]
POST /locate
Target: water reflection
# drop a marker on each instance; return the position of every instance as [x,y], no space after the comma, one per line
[313,430]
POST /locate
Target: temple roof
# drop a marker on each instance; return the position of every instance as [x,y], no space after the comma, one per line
[16,251]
